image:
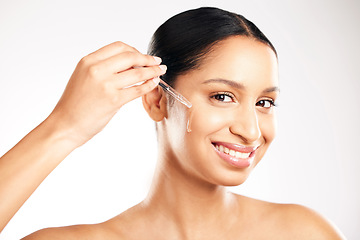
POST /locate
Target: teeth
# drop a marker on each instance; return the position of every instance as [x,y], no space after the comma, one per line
[242,155]
[231,152]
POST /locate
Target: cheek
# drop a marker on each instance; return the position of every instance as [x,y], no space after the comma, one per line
[205,120]
[268,127]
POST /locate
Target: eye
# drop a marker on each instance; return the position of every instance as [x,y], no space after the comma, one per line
[266,103]
[224,97]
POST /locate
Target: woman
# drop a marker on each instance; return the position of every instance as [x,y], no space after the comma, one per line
[227,69]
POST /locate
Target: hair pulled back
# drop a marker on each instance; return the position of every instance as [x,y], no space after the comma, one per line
[185,39]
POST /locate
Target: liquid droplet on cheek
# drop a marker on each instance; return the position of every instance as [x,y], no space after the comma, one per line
[188,128]
[190,116]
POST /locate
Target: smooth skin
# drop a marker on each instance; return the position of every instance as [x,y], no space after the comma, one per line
[232,94]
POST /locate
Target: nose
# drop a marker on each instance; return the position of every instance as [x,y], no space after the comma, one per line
[246,125]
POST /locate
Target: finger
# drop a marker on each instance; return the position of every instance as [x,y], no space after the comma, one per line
[125,61]
[134,92]
[135,76]
[111,50]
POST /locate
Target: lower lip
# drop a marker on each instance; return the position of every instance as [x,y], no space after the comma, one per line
[236,162]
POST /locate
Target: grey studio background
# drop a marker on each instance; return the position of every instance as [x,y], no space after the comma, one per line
[314,161]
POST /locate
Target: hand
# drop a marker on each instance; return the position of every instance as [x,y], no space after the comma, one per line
[101,83]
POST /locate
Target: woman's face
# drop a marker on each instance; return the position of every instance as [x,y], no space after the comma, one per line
[232,121]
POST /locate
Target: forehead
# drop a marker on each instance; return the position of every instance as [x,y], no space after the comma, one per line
[241,59]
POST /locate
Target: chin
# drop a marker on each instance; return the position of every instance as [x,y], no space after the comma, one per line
[231,180]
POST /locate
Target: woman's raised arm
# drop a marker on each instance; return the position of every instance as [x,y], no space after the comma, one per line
[102,82]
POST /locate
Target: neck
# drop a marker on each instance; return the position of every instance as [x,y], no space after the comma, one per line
[187,202]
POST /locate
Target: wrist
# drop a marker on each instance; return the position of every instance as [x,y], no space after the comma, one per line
[60,132]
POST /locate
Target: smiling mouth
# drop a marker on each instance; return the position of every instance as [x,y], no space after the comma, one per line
[232,152]
[235,150]
[236,155]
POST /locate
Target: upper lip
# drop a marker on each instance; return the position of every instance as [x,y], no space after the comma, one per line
[237,147]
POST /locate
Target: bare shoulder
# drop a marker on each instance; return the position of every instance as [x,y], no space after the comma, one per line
[123,226]
[88,231]
[292,221]
[305,221]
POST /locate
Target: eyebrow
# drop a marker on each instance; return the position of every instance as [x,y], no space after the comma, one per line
[225,81]
[238,85]
[271,89]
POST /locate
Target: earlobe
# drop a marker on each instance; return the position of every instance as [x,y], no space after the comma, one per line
[154,103]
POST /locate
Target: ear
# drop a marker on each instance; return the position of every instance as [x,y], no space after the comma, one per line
[154,103]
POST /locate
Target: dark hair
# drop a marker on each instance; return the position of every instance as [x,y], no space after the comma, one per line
[185,39]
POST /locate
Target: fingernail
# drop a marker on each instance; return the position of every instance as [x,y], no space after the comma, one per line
[156,80]
[157,60]
[163,68]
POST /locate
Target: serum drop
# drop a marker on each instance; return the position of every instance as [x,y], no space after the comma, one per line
[190,116]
